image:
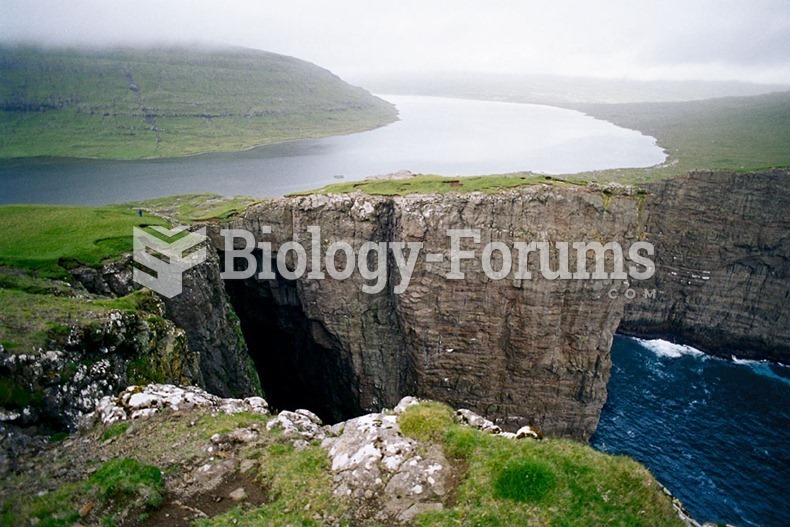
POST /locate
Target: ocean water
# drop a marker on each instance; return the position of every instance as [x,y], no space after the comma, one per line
[715,432]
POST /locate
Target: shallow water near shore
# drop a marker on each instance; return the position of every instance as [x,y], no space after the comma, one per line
[715,432]
[434,136]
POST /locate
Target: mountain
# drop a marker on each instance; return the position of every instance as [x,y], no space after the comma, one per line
[158,102]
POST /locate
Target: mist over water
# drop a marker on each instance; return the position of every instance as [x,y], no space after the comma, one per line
[434,136]
[715,432]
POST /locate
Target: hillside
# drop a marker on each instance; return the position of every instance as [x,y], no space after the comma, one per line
[728,133]
[127,103]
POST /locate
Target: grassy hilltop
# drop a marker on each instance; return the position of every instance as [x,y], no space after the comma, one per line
[126,103]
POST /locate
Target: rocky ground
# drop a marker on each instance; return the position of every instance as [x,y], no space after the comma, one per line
[166,455]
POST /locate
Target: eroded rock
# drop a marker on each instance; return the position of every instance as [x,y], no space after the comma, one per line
[373,460]
[143,401]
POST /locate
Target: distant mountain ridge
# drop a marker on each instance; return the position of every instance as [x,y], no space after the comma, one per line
[135,103]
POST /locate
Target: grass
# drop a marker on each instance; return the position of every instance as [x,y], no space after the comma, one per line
[427,421]
[733,133]
[432,184]
[301,484]
[48,239]
[549,482]
[525,480]
[501,482]
[137,103]
[31,321]
[114,430]
[118,483]
[190,208]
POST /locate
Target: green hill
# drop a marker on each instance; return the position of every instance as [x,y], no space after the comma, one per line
[135,103]
[728,133]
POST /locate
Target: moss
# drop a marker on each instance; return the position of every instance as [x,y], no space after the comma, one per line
[16,396]
[57,438]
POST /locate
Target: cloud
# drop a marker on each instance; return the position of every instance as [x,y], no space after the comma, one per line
[638,39]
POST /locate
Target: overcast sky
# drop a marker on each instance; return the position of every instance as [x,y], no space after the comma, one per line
[636,39]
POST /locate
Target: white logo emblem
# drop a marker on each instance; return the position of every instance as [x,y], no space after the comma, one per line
[167,259]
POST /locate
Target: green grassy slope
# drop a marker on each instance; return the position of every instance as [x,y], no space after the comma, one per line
[126,103]
[732,133]
[47,239]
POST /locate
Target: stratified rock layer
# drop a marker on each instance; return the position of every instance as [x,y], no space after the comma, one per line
[722,264]
[522,352]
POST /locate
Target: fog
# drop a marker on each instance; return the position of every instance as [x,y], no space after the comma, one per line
[642,40]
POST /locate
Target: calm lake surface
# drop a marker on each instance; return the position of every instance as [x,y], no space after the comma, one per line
[435,136]
[714,432]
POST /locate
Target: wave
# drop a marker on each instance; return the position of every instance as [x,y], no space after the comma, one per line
[766,369]
[664,348]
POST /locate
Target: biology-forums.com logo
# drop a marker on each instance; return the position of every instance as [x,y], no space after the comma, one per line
[164,255]
[167,255]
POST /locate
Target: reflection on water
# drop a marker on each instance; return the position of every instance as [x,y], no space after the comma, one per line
[435,136]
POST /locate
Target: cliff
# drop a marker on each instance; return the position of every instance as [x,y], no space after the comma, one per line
[524,352]
[527,351]
[521,352]
[722,264]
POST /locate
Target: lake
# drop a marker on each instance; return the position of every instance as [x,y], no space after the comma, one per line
[434,136]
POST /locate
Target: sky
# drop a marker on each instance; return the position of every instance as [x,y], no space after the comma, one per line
[636,39]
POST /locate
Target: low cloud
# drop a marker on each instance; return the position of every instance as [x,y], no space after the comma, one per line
[706,39]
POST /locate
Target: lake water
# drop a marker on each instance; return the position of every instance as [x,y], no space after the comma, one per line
[435,136]
[715,432]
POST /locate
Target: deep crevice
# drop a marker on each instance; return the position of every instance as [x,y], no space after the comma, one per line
[299,363]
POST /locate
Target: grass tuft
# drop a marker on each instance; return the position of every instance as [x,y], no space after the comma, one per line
[114,430]
[428,421]
[525,480]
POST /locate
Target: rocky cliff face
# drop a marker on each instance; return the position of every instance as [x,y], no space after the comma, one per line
[55,388]
[203,312]
[523,352]
[213,331]
[722,264]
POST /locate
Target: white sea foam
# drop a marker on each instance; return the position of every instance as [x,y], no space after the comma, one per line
[765,368]
[664,348]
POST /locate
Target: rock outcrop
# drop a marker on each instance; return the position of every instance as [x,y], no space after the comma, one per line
[388,476]
[521,352]
[92,361]
[213,332]
[144,401]
[722,277]
[203,311]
